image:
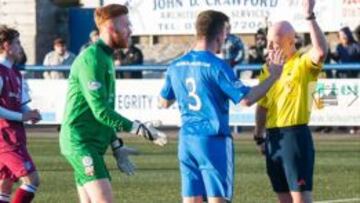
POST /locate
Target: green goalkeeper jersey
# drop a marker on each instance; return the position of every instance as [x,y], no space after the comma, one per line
[90,121]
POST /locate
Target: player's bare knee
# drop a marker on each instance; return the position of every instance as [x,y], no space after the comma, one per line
[285,198]
[198,199]
[104,200]
[35,179]
[216,200]
[31,179]
[301,197]
[85,200]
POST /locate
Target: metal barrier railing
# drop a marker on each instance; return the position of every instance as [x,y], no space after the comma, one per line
[161,68]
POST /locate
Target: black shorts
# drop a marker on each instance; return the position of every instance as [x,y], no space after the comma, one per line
[290,158]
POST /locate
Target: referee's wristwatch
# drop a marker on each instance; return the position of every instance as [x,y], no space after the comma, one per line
[311,16]
[259,140]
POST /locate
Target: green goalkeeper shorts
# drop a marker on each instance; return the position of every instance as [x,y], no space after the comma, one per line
[88,166]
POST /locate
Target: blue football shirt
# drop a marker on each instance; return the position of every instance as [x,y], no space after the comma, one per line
[202,84]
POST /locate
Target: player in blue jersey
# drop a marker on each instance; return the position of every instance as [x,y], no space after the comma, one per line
[203,84]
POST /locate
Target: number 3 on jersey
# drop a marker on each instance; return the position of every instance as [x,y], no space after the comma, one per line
[191,86]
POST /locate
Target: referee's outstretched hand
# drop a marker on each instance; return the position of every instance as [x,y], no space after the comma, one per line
[276,62]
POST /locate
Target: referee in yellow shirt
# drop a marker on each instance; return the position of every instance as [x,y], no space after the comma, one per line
[285,111]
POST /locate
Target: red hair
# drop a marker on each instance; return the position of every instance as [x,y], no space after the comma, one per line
[102,14]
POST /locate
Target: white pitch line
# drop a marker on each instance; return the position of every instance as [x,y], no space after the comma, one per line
[340,200]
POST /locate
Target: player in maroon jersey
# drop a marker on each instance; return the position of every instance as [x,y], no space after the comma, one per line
[15,161]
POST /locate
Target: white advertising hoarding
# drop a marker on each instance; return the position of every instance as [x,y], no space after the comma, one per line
[339,104]
[138,99]
[49,97]
[173,17]
[336,102]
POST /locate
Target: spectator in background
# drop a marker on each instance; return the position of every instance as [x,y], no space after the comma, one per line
[328,73]
[357,33]
[59,56]
[347,51]
[93,37]
[117,57]
[257,52]
[131,56]
[21,60]
[233,51]
[19,64]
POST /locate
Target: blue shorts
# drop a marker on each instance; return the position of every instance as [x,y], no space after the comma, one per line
[206,166]
[290,158]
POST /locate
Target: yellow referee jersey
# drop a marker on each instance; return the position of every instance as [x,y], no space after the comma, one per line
[289,100]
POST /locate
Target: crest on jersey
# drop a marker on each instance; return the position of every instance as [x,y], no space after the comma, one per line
[87,161]
[27,165]
[94,85]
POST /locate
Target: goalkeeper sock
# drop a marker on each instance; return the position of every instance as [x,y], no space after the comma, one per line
[4,198]
[24,194]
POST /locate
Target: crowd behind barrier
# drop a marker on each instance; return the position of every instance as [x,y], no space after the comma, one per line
[162,68]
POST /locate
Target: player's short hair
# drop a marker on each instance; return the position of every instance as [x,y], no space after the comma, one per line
[59,41]
[102,14]
[7,34]
[210,23]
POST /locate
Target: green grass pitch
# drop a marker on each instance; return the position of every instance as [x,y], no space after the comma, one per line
[337,172]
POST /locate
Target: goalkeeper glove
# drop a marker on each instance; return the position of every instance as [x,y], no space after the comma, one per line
[148,131]
[121,154]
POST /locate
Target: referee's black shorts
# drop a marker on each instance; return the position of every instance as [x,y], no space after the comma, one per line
[290,158]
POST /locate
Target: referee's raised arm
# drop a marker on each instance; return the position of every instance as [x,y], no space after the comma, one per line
[319,47]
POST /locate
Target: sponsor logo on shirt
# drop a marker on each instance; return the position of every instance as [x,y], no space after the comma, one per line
[94,85]
[193,63]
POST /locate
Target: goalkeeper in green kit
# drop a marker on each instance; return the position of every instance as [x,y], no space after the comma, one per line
[90,121]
